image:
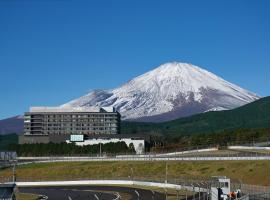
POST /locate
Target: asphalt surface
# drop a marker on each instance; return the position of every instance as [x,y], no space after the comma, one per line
[92,193]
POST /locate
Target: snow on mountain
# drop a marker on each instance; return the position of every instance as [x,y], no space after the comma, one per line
[216,109]
[170,91]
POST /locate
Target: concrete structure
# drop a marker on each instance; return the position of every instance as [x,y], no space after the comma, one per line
[7,191]
[220,188]
[56,124]
[137,143]
[248,148]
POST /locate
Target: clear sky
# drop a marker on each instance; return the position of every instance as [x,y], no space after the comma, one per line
[54,51]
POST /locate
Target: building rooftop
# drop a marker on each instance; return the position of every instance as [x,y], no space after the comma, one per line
[72,109]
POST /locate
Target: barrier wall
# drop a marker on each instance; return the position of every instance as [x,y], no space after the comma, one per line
[109,182]
[247,148]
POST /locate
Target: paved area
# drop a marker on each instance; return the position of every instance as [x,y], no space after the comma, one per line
[93,193]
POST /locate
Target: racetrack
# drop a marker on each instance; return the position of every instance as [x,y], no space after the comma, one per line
[93,193]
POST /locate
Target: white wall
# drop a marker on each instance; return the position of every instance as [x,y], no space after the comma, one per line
[109,182]
[248,148]
[138,144]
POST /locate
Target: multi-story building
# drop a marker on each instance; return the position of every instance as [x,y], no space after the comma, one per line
[42,124]
[83,126]
[71,121]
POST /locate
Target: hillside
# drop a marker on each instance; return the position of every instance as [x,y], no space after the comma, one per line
[11,125]
[253,115]
[6,140]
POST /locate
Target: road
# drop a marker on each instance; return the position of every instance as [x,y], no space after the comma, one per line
[93,193]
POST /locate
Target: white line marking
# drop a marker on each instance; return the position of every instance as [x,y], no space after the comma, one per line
[117,196]
[96,196]
[138,194]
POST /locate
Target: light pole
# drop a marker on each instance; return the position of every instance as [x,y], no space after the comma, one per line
[166,180]
[131,169]
[14,172]
[193,190]
[166,173]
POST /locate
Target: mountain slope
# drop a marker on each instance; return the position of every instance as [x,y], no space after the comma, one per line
[168,92]
[11,125]
[250,116]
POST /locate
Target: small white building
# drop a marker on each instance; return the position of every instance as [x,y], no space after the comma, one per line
[220,188]
[139,144]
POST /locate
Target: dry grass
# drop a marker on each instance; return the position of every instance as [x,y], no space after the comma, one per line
[23,196]
[261,151]
[250,172]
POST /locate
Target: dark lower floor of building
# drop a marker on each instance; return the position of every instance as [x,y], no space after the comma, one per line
[34,139]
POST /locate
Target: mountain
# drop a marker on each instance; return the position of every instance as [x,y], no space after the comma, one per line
[11,125]
[254,115]
[168,92]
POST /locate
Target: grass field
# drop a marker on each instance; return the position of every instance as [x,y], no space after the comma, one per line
[250,172]
[23,196]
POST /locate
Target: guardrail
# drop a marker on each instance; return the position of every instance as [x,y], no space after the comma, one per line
[198,154]
[184,158]
[248,148]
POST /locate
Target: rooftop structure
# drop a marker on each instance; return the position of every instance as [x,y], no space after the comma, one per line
[71,109]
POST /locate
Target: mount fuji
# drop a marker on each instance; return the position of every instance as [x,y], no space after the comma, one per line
[170,91]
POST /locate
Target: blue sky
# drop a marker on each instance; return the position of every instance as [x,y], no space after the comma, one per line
[54,51]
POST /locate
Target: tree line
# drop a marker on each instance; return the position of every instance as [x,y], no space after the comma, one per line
[201,140]
[71,149]
[158,143]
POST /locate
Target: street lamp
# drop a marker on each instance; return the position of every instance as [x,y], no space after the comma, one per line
[166,173]
[131,169]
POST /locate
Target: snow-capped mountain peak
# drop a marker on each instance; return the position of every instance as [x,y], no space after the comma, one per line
[170,91]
